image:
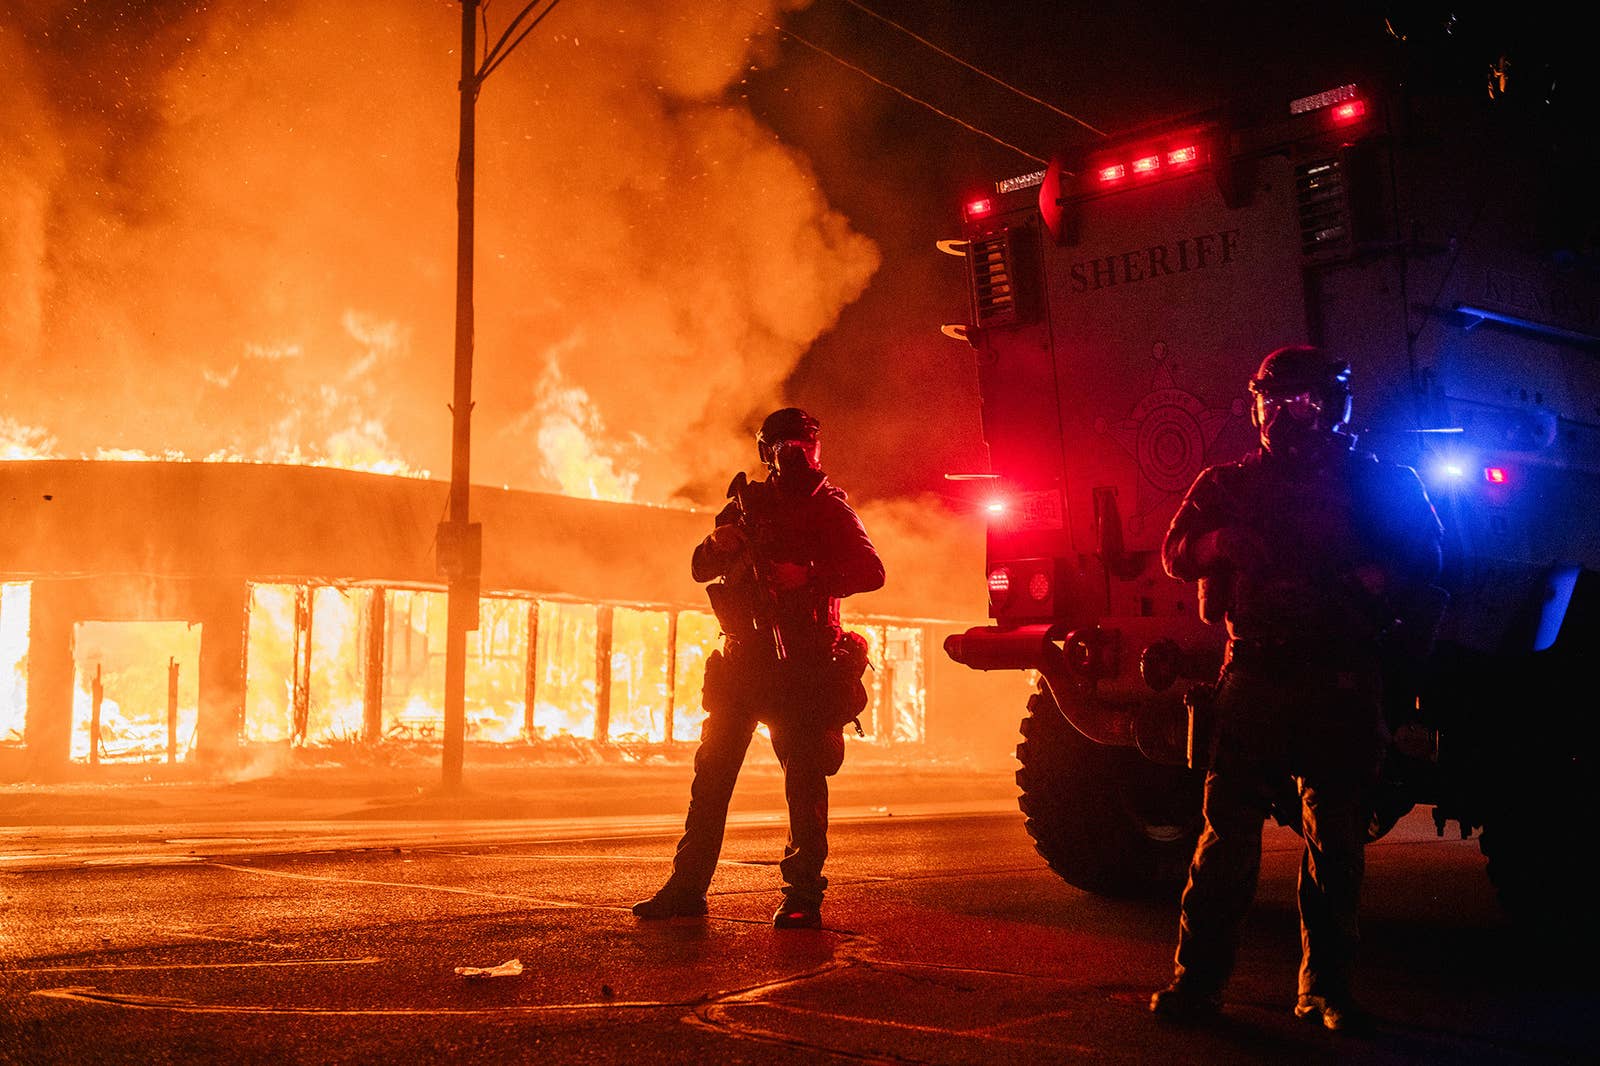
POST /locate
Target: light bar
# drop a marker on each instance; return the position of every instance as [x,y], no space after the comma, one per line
[1147,164]
[1318,101]
[1021,181]
[1179,156]
[1480,315]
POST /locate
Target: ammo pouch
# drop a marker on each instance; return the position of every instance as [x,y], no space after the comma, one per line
[717,694]
[1201,703]
[734,606]
[844,694]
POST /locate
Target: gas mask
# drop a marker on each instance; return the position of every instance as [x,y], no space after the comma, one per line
[796,464]
[1301,403]
[1299,424]
[791,457]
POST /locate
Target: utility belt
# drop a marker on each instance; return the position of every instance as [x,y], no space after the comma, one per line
[1258,655]
[1290,662]
[819,681]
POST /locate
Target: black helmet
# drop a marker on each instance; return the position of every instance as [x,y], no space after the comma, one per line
[786,423]
[1300,369]
[1302,400]
[789,447]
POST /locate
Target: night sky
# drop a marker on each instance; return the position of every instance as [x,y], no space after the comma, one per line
[229,225]
[900,172]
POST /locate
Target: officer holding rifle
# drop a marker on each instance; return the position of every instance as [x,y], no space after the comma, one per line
[783,553]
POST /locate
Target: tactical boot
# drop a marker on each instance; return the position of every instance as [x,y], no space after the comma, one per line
[796,915]
[666,904]
[1184,1004]
[1337,1014]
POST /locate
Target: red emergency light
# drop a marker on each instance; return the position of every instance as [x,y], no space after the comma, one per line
[979,208]
[1349,111]
[1494,475]
[1148,162]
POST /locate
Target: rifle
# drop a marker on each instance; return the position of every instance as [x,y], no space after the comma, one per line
[764,610]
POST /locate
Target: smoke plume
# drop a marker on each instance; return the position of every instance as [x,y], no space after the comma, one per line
[229,229]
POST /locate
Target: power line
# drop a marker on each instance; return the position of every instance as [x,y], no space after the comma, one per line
[901,92]
[976,70]
[497,55]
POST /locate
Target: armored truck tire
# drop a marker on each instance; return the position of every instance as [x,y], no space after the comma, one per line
[1534,857]
[1105,819]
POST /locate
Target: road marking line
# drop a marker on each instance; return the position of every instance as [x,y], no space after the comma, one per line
[556,904]
[89,994]
[369,961]
[230,939]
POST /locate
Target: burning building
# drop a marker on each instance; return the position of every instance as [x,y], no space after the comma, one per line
[207,613]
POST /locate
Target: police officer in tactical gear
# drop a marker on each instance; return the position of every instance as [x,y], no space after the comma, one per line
[1316,556]
[783,552]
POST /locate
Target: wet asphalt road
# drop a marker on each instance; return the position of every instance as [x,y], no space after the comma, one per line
[946,941]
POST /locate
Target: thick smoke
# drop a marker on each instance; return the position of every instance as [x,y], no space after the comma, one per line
[229,229]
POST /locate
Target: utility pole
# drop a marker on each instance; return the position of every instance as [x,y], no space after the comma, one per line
[459,540]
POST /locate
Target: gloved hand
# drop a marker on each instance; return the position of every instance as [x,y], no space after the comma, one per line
[727,540]
[1239,546]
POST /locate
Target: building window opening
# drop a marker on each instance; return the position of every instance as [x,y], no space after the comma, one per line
[334,676]
[497,665]
[639,675]
[269,675]
[698,636]
[136,692]
[873,715]
[903,684]
[15,607]
[564,690]
[304,680]
[413,665]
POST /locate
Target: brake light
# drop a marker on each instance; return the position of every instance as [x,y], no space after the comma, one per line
[1115,172]
[995,507]
[1179,156]
[979,208]
[1147,164]
[999,584]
